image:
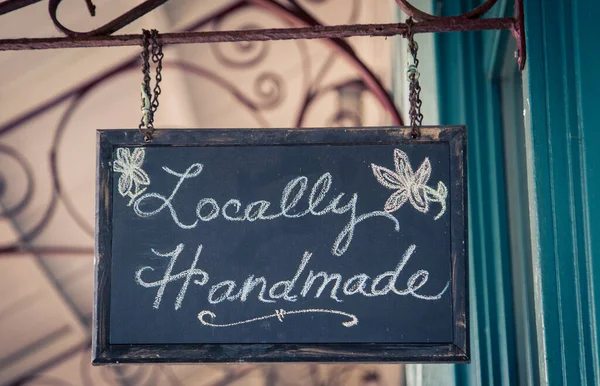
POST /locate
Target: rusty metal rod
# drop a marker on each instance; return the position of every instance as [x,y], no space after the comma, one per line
[316,32]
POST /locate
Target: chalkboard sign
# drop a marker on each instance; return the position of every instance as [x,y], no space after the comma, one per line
[281,245]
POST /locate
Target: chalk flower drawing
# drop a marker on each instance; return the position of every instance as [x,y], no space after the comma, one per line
[133,180]
[410,186]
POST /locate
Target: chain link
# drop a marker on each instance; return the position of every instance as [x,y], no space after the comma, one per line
[150,98]
[412,73]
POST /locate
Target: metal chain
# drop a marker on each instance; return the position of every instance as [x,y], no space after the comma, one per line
[157,56]
[412,73]
[149,98]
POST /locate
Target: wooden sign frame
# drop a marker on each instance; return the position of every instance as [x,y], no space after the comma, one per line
[457,351]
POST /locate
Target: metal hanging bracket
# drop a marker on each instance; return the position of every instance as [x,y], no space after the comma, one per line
[102,36]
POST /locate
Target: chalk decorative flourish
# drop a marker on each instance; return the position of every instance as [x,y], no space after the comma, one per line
[410,186]
[280,315]
[134,179]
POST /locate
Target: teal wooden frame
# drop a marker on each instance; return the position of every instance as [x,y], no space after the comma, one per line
[469,66]
[562,127]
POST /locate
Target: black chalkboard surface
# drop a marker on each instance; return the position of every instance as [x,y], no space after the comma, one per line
[281,245]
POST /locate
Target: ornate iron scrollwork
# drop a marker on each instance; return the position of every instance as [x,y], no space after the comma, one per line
[110,27]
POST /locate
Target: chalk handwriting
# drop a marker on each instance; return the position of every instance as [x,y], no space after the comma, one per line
[208,209]
[298,199]
[227,290]
[168,278]
[191,172]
